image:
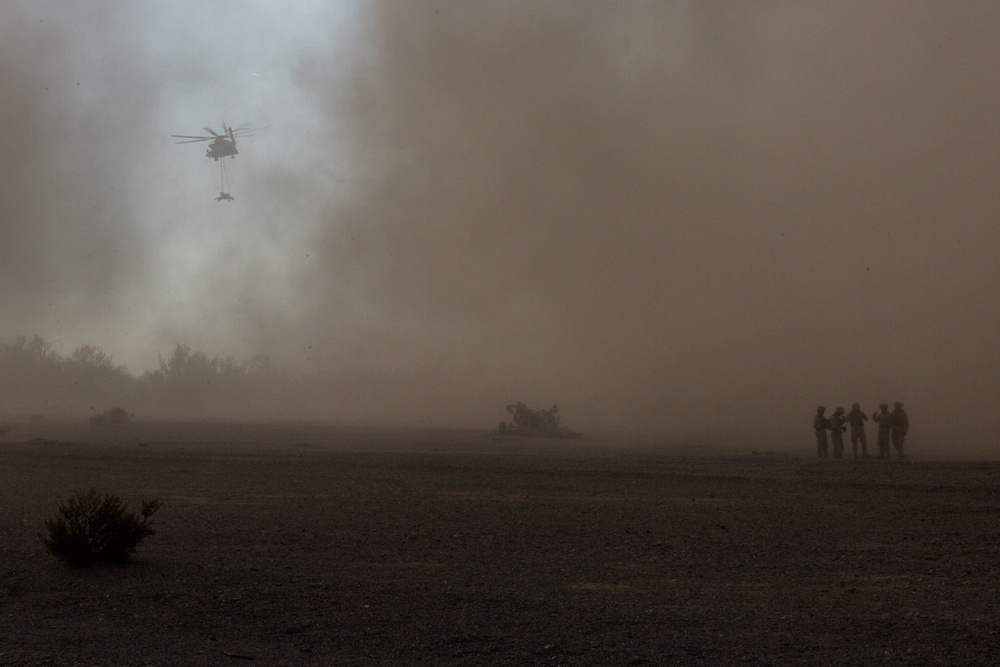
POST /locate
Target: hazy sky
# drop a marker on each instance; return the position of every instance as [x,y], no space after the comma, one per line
[699,219]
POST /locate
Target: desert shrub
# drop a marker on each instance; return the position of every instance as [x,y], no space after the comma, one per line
[92,526]
[115,415]
[118,416]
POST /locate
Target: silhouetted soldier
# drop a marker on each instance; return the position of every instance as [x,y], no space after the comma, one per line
[884,421]
[820,425]
[900,424]
[857,420]
[837,428]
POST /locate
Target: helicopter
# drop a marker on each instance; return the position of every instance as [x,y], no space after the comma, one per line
[223,145]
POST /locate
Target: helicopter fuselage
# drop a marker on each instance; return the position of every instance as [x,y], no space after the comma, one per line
[221,147]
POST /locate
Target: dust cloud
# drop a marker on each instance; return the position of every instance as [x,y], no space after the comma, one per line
[68,251]
[692,220]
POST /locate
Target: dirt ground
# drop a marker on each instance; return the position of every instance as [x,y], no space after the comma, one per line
[322,546]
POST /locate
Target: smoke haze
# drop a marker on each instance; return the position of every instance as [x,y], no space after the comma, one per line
[698,220]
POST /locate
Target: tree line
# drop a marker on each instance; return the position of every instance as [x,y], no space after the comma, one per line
[35,379]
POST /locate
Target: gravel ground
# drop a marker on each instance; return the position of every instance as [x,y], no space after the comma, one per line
[324,547]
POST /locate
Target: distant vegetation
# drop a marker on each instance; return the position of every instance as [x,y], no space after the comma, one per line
[40,383]
[92,526]
[113,416]
[36,380]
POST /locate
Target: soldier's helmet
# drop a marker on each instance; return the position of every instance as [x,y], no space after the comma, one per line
[821,409]
[897,405]
[884,406]
[855,406]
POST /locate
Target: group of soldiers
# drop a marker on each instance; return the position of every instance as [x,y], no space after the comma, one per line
[892,428]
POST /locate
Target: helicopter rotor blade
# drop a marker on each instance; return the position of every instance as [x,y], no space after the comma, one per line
[229,134]
[246,130]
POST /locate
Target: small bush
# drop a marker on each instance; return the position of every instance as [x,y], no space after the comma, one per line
[115,415]
[119,416]
[97,527]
